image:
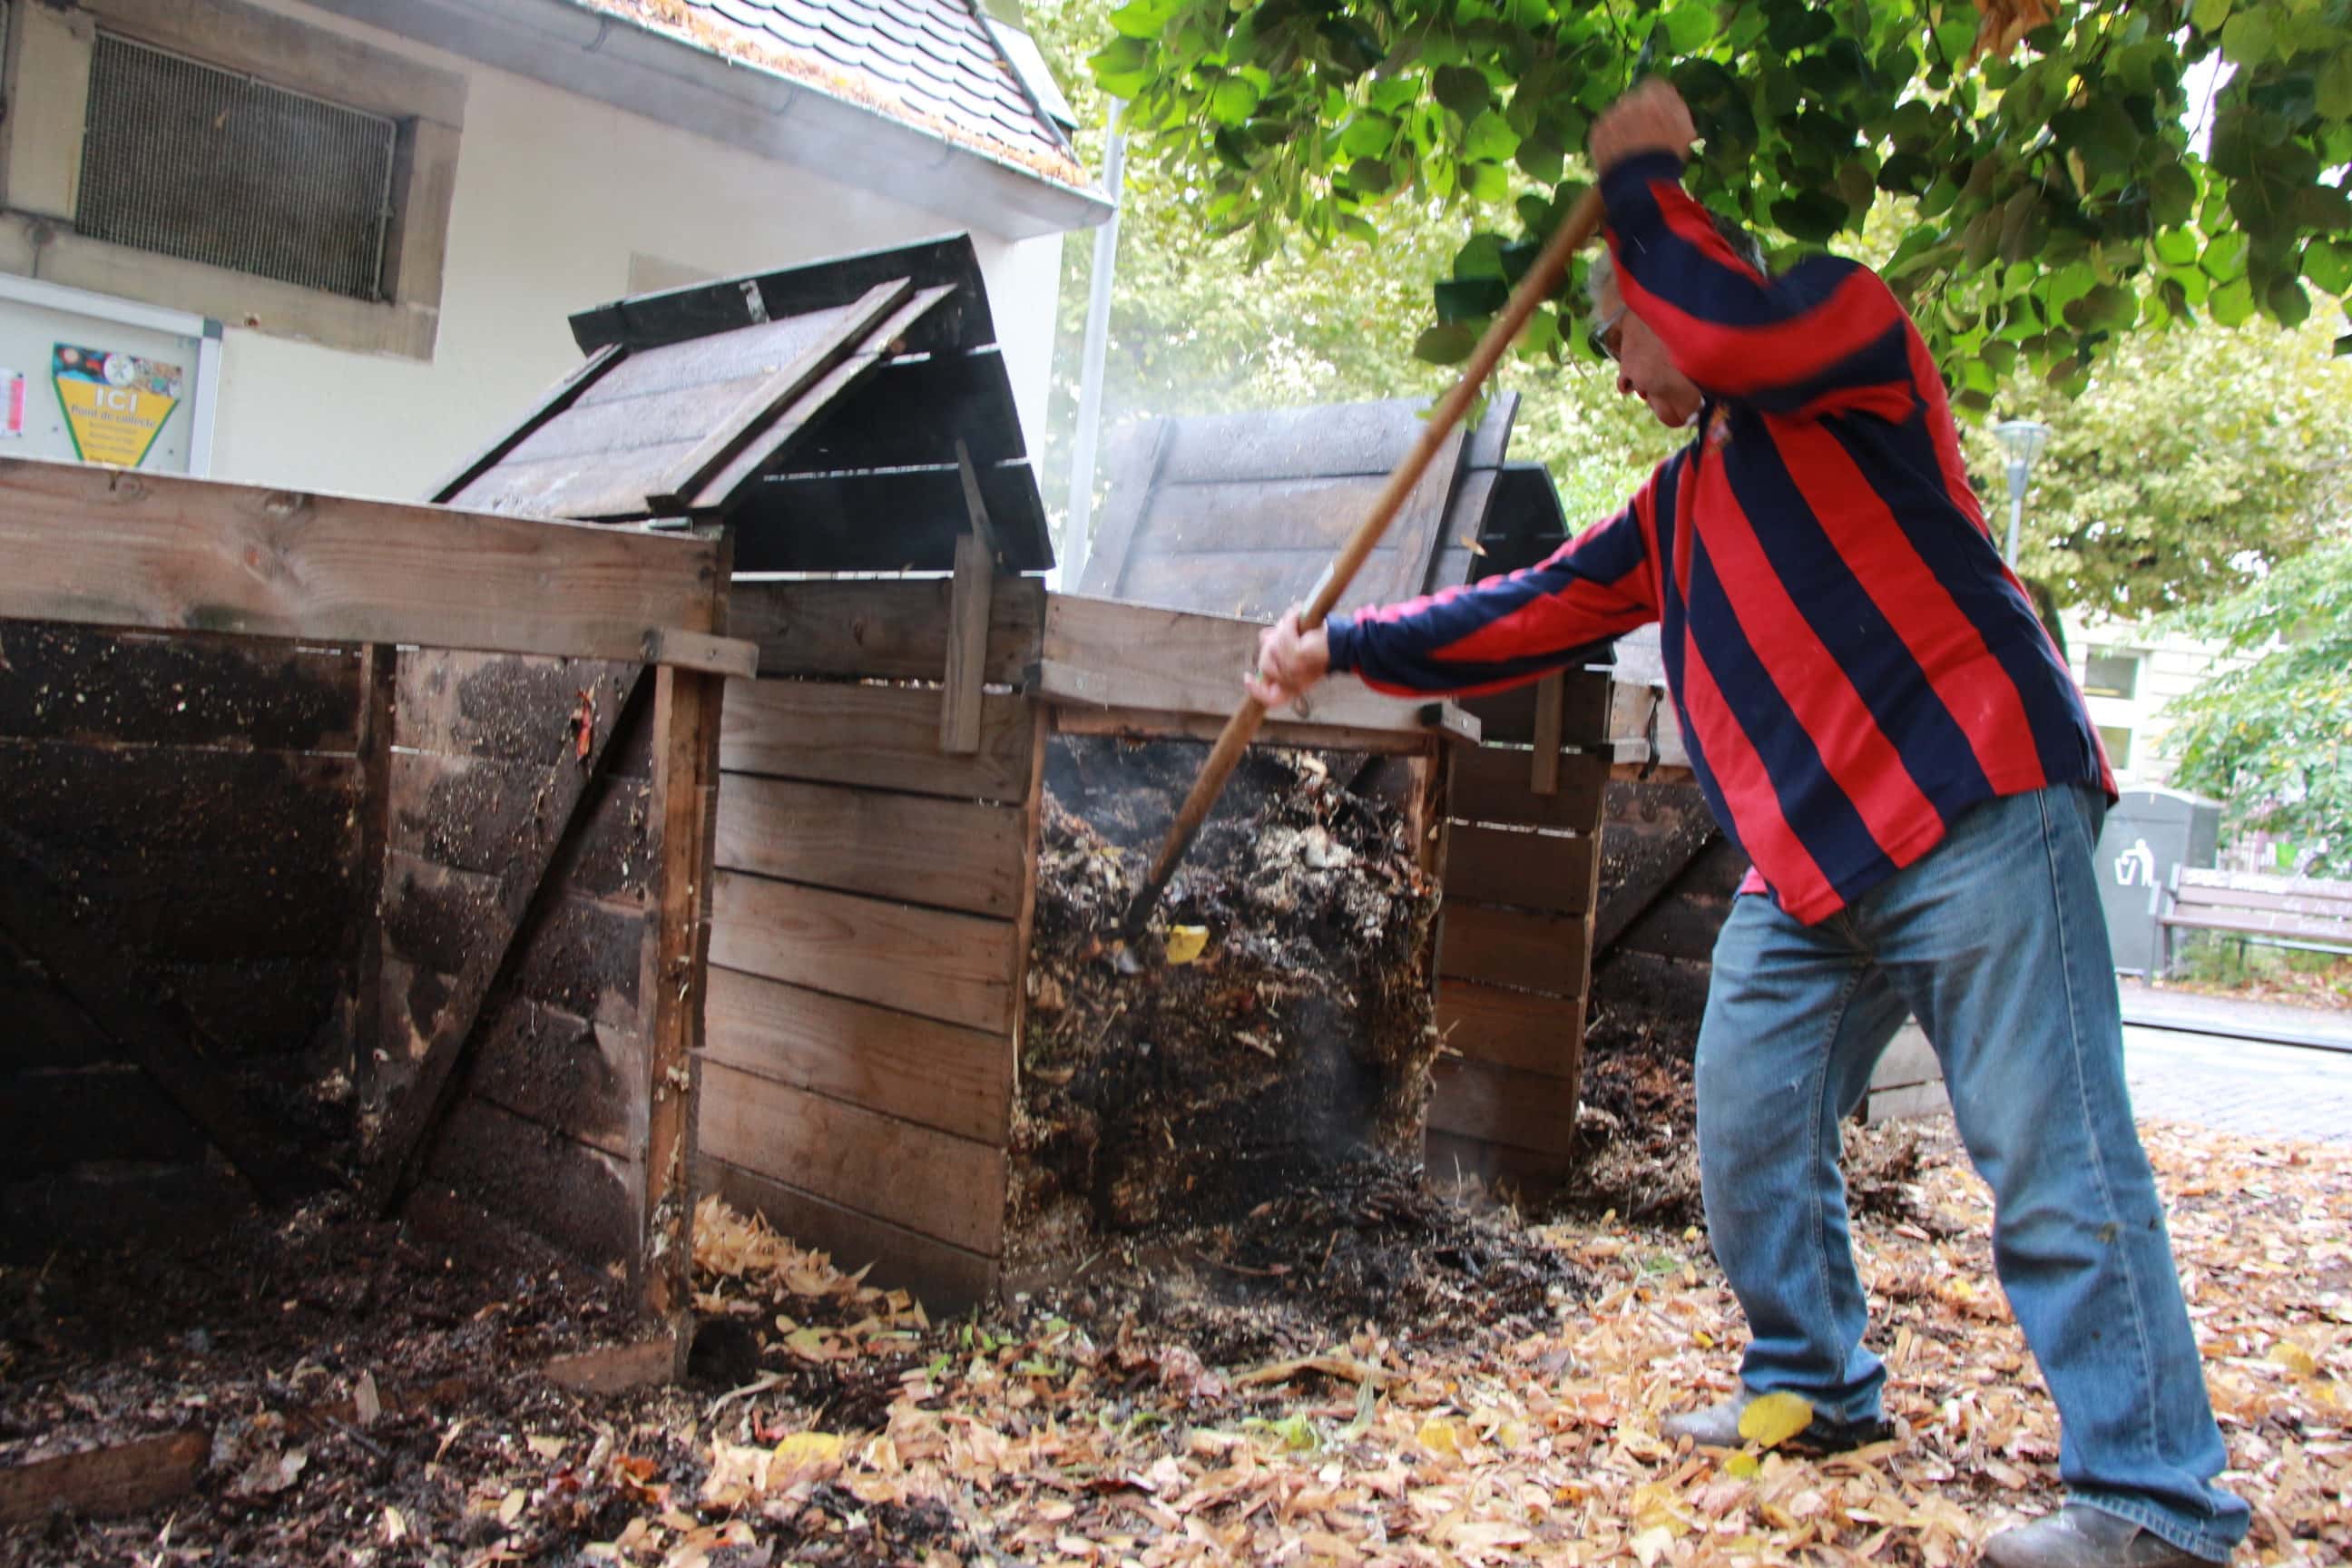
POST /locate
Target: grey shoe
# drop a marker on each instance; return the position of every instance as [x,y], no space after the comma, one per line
[2080,1536]
[1718,1427]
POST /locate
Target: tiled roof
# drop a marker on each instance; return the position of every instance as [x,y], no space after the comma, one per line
[931,62]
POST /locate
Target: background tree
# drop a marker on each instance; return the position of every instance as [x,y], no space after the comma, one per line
[2054,198]
[2273,740]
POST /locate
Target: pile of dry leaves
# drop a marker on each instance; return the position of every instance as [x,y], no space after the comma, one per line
[856,1430]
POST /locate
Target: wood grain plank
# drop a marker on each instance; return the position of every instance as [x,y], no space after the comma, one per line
[1531,1174]
[113,1112]
[1534,870]
[1510,717]
[579,954]
[1111,655]
[1498,1104]
[555,1187]
[98,546]
[953,855]
[952,967]
[1490,785]
[1513,947]
[918,1069]
[467,813]
[884,736]
[1366,439]
[1522,1029]
[945,1279]
[182,688]
[951,1189]
[516,708]
[888,630]
[1255,585]
[129,1476]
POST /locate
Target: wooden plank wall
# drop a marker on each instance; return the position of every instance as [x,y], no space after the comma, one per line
[550,1129]
[1515,941]
[202,791]
[1668,877]
[869,934]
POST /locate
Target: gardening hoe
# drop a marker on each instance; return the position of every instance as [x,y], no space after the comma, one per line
[1549,268]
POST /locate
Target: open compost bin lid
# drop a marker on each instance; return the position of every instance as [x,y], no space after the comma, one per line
[823,410]
[1238,514]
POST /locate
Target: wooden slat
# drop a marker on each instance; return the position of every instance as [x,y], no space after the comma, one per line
[111,1111]
[199,855]
[551,401]
[1356,438]
[560,1189]
[499,705]
[826,522]
[1534,1175]
[1510,716]
[945,1279]
[2262,882]
[886,630]
[955,968]
[1682,924]
[580,954]
[2316,899]
[887,737]
[1519,1030]
[97,546]
[918,1069]
[75,944]
[145,689]
[2262,922]
[467,813]
[128,1477]
[1532,870]
[1664,998]
[1550,699]
[959,692]
[1503,1105]
[363,949]
[954,855]
[964,396]
[579,1075]
[1490,785]
[1134,453]
[1511,947]
[434,1083]
[1158,724]
[702,653]
[1111,655]
[1257,584]
[951,1189]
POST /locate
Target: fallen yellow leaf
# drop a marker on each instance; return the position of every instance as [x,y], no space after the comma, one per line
[2295,1358]
[1772,1419]
[1185,943]
[1743,1466]
[809,1448]
[1437,1434]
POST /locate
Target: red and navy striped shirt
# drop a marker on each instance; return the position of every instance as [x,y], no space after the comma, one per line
[1853,663]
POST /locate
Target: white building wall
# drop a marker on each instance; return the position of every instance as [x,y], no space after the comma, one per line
[554,195]
[2164,668]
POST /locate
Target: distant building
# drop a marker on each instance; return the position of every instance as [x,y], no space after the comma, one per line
[2129,675]
[334,243]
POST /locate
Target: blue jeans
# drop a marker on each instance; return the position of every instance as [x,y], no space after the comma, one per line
[1996,943]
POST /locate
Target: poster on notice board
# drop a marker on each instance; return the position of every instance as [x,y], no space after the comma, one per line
[115,404]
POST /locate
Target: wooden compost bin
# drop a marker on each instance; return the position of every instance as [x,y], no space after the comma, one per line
[876,877]
[233,718]
[1238,514]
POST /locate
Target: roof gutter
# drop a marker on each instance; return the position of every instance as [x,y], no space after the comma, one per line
[616,60]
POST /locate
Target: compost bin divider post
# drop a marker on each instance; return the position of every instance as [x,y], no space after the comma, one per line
[677,958]
[1551,693]
[432,1090]
[968,613]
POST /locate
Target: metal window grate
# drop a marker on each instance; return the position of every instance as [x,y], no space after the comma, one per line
[208,165]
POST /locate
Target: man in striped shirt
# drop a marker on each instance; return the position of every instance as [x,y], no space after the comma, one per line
[1879,720]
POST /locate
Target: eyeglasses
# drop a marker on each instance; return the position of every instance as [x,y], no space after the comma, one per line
[1606,336]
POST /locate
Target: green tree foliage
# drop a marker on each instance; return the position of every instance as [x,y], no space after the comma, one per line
[2198,459]
[2273,740]
[2054,202]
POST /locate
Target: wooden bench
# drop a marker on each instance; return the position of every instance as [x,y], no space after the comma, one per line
[2285,912]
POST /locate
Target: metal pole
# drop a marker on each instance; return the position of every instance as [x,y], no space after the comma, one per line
[1078,531]
[2016,506]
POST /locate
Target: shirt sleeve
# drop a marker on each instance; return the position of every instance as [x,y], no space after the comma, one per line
[1509,630]
[1780,342]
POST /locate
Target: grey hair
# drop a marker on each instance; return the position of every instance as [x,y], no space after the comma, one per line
[1603,274]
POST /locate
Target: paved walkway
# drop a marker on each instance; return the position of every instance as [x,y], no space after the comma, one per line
[2246,1087]
[2166,1009]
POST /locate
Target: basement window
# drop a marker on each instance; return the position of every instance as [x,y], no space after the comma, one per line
[188,160]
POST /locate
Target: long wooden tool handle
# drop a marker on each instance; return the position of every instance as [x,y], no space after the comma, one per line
[1542,278]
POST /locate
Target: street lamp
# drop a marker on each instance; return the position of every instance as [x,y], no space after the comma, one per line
[2021,440]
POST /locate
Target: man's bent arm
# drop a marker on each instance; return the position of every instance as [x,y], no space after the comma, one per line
[1509,630]
[1825,324]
